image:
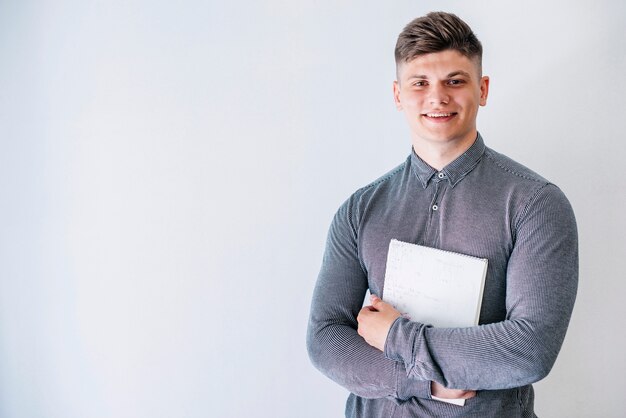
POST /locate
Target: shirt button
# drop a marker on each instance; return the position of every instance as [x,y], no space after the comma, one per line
[441,175]
[435,207]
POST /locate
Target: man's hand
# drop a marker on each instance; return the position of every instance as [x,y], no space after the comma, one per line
[375,320]
[442,392]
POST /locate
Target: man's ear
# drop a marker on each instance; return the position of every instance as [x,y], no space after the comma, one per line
[396,95]
[484,90]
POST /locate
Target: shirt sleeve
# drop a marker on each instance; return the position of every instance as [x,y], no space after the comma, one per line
[333,344]
[541,280]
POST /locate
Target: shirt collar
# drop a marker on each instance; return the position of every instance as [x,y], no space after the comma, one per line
[453,172]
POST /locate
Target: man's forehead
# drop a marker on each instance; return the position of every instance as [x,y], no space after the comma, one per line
[439,64]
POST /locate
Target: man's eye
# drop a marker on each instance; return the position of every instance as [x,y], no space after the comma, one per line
[455,82]
[419,83]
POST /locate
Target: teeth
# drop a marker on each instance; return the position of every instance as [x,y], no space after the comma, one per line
[438,115]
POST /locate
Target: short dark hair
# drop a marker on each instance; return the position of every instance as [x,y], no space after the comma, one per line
[436,32]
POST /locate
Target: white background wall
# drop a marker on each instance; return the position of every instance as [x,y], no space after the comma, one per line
[168,171]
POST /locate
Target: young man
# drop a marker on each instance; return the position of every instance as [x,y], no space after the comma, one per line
[455,194]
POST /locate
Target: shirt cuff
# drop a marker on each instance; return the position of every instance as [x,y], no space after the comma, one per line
[400,341]
[412,388]
[399,347]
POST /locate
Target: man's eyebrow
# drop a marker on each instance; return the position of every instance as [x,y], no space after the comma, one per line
[459,72]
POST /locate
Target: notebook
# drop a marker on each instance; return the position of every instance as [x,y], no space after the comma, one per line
[434,287]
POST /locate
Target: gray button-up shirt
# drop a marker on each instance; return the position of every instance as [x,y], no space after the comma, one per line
[482,204]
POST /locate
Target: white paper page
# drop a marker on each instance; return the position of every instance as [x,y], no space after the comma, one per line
[455,401]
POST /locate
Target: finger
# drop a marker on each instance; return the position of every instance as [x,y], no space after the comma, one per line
[467,394]
[378,303]
[364,312]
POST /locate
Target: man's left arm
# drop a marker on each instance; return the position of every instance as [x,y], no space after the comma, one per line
[542,278]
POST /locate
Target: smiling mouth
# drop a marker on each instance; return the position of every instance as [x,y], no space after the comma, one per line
[439,115]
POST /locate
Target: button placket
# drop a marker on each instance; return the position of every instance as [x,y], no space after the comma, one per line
[431,236]
[434,205]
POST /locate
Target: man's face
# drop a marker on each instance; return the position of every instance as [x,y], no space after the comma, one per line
[439,94]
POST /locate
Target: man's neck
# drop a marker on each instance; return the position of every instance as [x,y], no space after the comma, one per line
[440,155]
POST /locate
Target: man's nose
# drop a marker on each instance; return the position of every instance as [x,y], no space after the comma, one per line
[438,95]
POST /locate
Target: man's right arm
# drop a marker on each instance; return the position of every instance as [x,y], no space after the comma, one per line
[334,346]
